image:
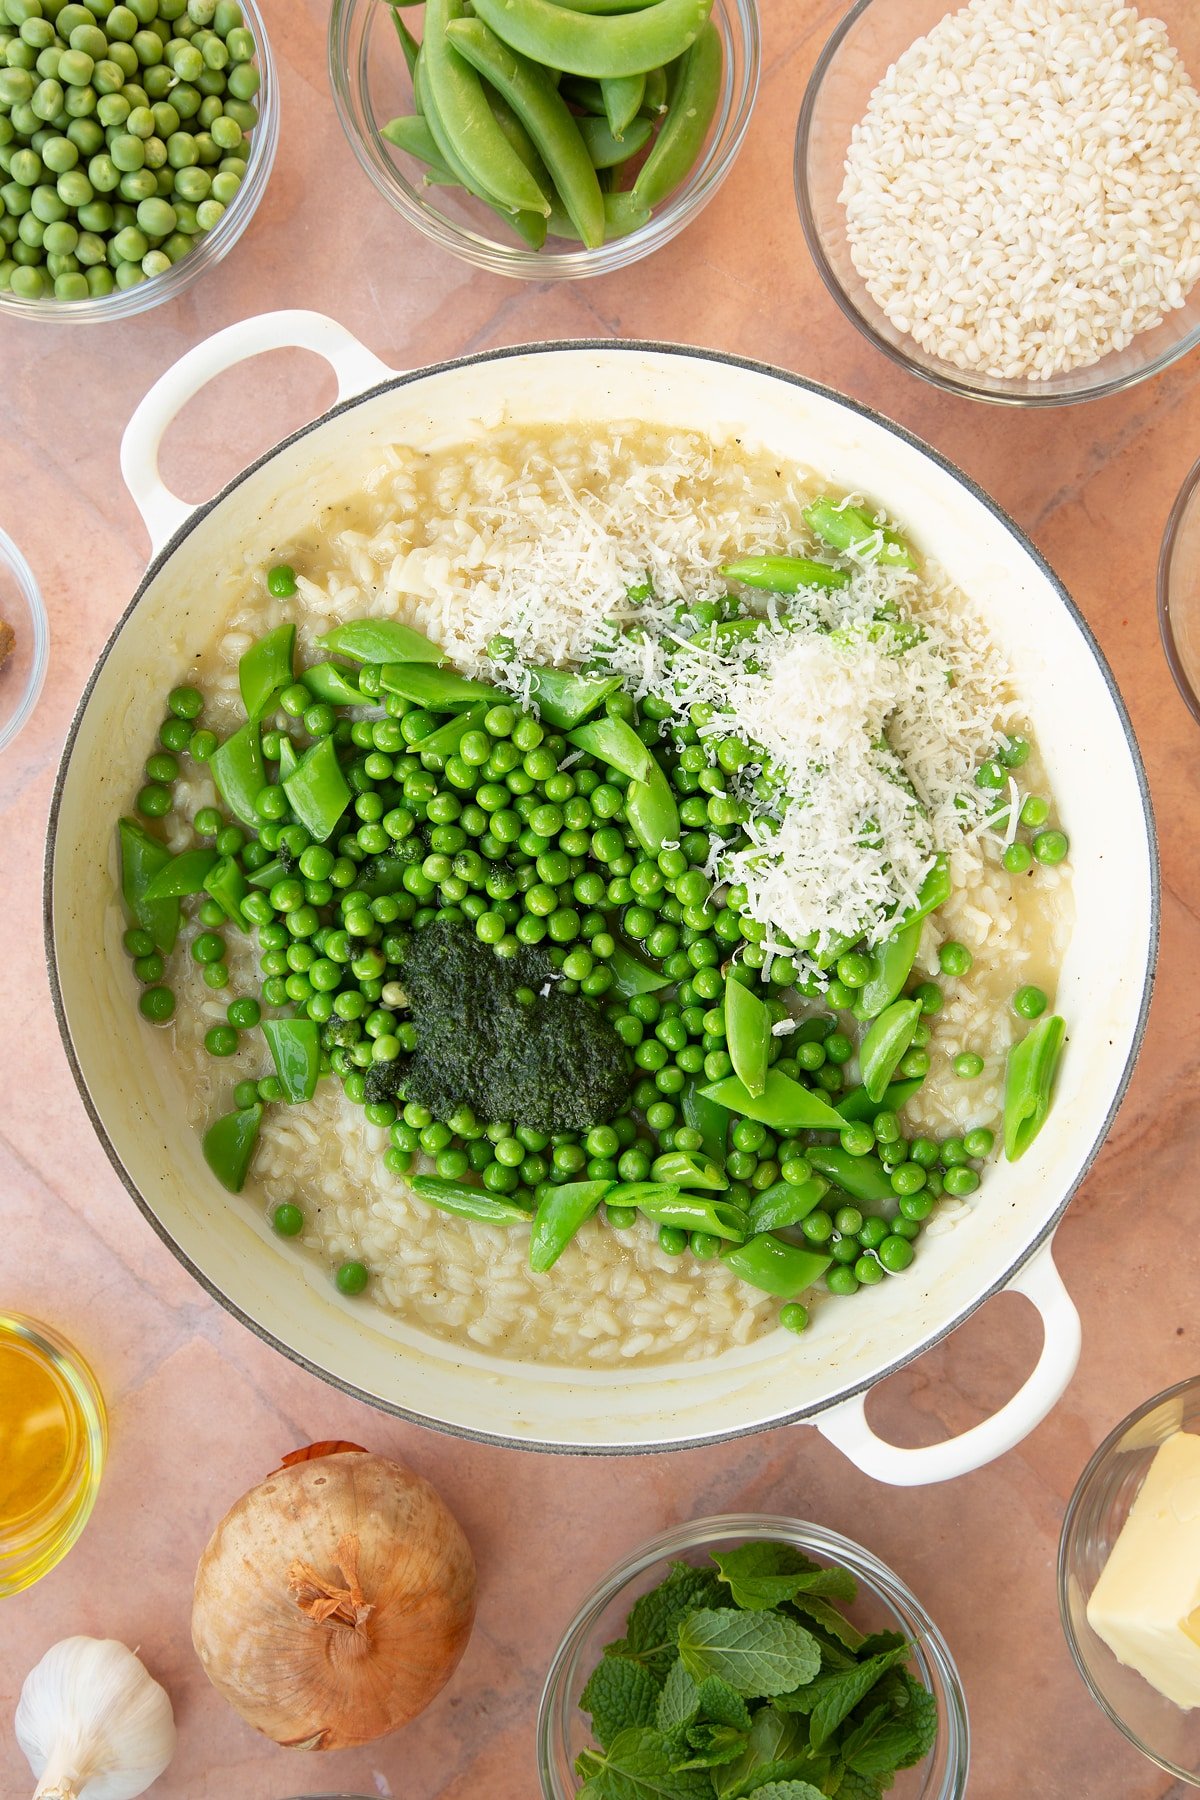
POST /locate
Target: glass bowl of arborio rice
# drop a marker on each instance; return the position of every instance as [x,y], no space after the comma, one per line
[1004,197]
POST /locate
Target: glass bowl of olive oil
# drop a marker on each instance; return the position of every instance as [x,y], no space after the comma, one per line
[53,1439]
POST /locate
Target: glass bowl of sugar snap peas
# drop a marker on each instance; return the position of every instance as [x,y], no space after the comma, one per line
[136,141]
[543,140]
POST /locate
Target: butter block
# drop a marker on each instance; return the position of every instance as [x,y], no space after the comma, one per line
[1146,1604]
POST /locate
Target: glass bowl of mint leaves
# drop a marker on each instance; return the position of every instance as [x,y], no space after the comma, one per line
[753,1658]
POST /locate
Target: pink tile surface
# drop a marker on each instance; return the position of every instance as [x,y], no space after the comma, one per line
[201,1409]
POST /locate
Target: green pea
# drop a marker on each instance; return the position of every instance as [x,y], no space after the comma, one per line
[895,1254]
[221,1040]
[1050,847]
[287,1220]
[154,801]
[979,1143]
[149,968]
[243,1014]
[138,942]
[954,958]
[968,1065]
[1029,1002]
[1018,858]
[157,1004]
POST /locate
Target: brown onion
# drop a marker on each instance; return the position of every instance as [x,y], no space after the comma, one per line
[334,1601]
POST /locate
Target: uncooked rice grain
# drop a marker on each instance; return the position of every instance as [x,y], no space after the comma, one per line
[1023,194]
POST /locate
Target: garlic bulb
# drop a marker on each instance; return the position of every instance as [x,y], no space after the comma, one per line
[93,1723]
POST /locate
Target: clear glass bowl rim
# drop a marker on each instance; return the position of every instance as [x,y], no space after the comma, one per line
[1097,1460]
[473,246]
[822,1541]
[1031,395]
[1166,576]
[26,580]
[213,246]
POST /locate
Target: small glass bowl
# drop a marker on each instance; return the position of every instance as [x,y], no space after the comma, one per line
[212,247]
[1179,593]
[371,85]
[36,1541]
[21,607]
[863,46]
[883,1604]
[1099,1507]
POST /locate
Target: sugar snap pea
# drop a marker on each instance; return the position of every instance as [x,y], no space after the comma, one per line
[228,1145]
[784,574]
[446,739]
[461,104]
[615,742]
[605,6]
[295,1046]
[439,690]
[266,669]
[380,641]
[465,1202]
[528,225]
[317,790]
[623,214]
[531,93]
[784,1104]
[1029,1083]
[595,44]
[184,874]
[632,976]
[237,770]
[785,1203]
[408,43]
[227,885]
[693,90]
[885,1043]
[585,94]
[623,95]
[651,810]
[560,1213]
[858,1107]
[748,1036]
[689,1212]
[777,1268]
[893,961]
[143,858]
[681,1169]
[412,134]
[845,527]
[270,873]
[654,102]
[565,700]
[288,760]
[709,1119]
[864,1177]
[608,151]
[328,681]
[933,892]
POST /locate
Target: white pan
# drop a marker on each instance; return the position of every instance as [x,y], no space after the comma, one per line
[134,1095]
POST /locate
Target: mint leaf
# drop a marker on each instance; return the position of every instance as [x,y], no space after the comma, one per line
[829,1619]
[788,1790]
[619,1693]
[654,1620]
[836,1696]
[637,1766]
[890,1738]
[776,1750]
[760,1576]
[853,1786]
[723,1704]
[679,1702]
[756,1653]
[879,1641]
[711,1745]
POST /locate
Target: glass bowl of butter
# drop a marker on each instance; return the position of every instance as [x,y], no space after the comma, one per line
[1129,1578]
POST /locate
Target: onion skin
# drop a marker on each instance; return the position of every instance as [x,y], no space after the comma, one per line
[383,1651]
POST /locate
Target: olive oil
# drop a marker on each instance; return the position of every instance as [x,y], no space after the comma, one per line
[52,1445]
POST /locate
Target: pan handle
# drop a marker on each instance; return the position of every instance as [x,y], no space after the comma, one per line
[846,1425]
[354,365]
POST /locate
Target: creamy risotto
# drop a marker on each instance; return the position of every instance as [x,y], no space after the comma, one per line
[835,717]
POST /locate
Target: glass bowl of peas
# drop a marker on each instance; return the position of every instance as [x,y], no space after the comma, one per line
[370,52]
[136,142]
